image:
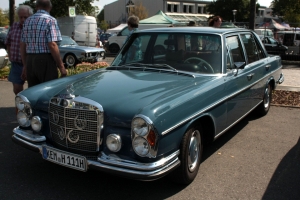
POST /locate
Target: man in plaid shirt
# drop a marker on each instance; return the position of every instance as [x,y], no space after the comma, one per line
[39,51]
[13,48]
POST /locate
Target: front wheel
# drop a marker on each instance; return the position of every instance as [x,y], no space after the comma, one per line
[190,156]
[70,60]
[114,48]
[264,107]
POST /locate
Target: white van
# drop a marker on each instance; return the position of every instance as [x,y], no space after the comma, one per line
[289,38]
[264,32]
[115,42]
[83,29]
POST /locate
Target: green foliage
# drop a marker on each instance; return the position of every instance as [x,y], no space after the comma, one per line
[103,25]
[100,16]
[61,7]
[224,8]
[289,10]
[80,68]
[4,18]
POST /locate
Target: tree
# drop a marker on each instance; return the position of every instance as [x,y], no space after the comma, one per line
[139,10]
[103,25]
[100,17]
[288,10]
[61,7]
[11,12]
[224,9]
[4,19]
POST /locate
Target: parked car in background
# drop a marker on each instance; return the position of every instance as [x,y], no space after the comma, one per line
[264,32]
[273,46]
[104,37]
[150,113]
[3,58]
[72,54]
[3,35]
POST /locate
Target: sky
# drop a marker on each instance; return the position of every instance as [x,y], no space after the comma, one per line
[5,3]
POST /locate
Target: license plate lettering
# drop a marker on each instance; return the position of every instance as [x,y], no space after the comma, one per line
[64,158]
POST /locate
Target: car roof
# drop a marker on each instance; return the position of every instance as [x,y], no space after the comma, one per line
[196,29]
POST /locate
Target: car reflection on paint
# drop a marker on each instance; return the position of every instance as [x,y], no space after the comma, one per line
[72,54]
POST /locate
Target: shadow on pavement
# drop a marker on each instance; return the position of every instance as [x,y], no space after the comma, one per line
[285,182]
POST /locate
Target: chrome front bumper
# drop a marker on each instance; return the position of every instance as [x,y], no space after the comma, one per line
[107,163]
[281,79]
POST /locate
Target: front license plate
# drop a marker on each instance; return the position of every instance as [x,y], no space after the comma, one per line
[64,158]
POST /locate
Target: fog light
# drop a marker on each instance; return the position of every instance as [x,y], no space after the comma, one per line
[36,123]
[140,146]
[113,142]
[23,119]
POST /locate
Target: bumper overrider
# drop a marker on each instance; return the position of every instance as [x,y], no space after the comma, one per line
[106,163]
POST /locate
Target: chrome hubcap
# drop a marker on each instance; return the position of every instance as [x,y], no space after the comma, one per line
[194,148]
[70,60]
[267,98]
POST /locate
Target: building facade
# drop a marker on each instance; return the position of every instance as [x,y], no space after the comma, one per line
[180,10]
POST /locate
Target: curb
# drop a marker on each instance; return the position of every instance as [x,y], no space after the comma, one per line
[288,88]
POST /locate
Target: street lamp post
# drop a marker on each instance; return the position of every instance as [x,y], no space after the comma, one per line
[129,5]
[234,12]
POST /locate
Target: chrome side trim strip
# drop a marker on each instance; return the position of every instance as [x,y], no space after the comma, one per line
[214,104]
[113,160]
[221,133]
[28,135]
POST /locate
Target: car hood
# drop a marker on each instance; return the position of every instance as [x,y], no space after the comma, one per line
[83,48]
[125,93]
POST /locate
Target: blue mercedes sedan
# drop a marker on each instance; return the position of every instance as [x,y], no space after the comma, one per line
[168,92]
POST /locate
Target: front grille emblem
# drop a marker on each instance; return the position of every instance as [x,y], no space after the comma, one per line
[55,117]
[72,137]
[80,123]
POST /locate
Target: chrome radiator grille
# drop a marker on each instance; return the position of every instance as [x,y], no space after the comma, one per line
[75,125]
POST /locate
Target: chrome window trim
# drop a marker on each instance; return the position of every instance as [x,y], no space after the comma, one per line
[216,103]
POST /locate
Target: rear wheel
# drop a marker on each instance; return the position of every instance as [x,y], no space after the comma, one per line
[264,107]
[190,156]
[114,48]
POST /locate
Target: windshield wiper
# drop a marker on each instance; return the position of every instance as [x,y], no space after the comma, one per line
[151,65]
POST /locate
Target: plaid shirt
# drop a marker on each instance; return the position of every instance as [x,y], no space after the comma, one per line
[38,31]
[13,40]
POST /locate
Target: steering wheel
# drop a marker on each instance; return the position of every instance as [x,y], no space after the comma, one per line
[200,62]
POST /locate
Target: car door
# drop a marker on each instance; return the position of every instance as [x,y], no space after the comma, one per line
[257,67]
[237,81]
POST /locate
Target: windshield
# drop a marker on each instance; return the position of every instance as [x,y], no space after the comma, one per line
[191,52]
[67,41]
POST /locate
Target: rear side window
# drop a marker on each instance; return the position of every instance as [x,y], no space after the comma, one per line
[253,49]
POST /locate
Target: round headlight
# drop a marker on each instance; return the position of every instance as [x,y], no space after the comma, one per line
[113,142]
[23,119]
[36,123]
[20,104]
[140,146]
[140,126]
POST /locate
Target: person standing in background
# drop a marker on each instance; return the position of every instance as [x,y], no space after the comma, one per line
[39,51]
[216,22]
[13,48]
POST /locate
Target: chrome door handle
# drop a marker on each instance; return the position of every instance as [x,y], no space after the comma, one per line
[267,67]
[249,77]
